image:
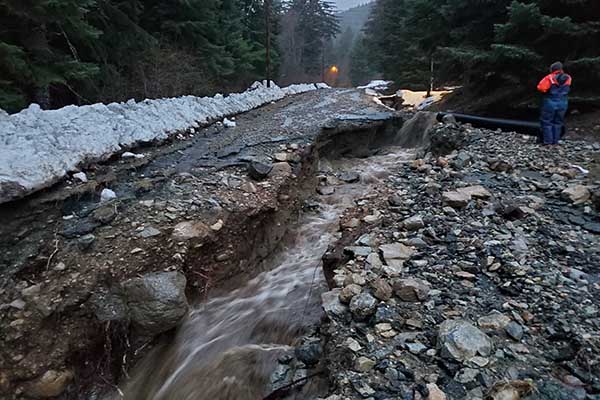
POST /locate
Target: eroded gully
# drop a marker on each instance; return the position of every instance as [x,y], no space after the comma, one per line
[228,346]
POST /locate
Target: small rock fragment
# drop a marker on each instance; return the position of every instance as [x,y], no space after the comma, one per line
[411,290]
[435,393]
[456,199]
[363,306]
[349,292]
[81,177]
[514,330]
[364,364]
[413,223]
[577,194]
[259,171]
[461,341]
[191,230]
[107,195]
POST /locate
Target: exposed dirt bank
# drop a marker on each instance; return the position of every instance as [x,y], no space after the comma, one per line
[187,207]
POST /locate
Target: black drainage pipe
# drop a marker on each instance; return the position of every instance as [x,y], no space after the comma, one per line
[512,125]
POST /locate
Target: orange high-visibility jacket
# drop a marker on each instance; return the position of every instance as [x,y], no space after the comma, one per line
[557,79]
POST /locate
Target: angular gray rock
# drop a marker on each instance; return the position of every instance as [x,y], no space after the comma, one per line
[381,289]
[460,340]
[577,194]
[349,177]
[331,303]
[259,171]
[413,223]
[326,190]
[411,290]
[349,292]
[309,353]
[396,251]
[156,301]
[363,306]
[456,199]
[477,191]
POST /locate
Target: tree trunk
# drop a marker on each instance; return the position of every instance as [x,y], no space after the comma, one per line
[268,41]
[430,87]
[36,42]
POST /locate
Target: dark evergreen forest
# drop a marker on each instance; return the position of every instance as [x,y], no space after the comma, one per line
[498,48]
[58,52]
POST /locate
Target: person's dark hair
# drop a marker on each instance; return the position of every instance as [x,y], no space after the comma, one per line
[557,66]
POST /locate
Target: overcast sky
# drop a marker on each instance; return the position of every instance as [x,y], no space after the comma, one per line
[346,4]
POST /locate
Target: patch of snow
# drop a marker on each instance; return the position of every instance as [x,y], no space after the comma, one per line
[107,195]
[377,85]
[129,154]
[81,176]
[580,169]
[378,101]
[40,147]
[426,103]
[229,123]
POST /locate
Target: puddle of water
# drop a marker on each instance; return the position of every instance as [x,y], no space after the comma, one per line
[227,347]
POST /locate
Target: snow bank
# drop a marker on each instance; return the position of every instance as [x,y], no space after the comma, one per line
[376,85]
[38,148]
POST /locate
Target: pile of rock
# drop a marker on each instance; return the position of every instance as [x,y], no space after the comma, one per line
[480,281]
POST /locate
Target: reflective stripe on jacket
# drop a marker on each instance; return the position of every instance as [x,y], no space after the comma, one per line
[556,85]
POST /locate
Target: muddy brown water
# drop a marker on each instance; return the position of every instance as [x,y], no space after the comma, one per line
[228,346]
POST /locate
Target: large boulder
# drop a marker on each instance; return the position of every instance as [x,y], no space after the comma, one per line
[444,139]
[156,301]
[460,340]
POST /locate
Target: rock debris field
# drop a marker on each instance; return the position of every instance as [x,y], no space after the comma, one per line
[473,273]
[470,272]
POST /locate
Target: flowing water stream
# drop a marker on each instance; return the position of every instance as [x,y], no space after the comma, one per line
[228,346]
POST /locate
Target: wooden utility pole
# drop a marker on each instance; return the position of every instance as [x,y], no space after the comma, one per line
[323,62]
[268,41]
[431,78]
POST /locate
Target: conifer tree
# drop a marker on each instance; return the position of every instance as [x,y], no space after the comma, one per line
[41,47]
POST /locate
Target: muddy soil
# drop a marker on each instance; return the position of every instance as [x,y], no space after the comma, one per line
[64,251]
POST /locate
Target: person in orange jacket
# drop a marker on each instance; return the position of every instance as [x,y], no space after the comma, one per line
[555,87]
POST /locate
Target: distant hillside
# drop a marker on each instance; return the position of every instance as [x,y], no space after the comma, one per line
[355,18]
[346,4]
[352,22]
